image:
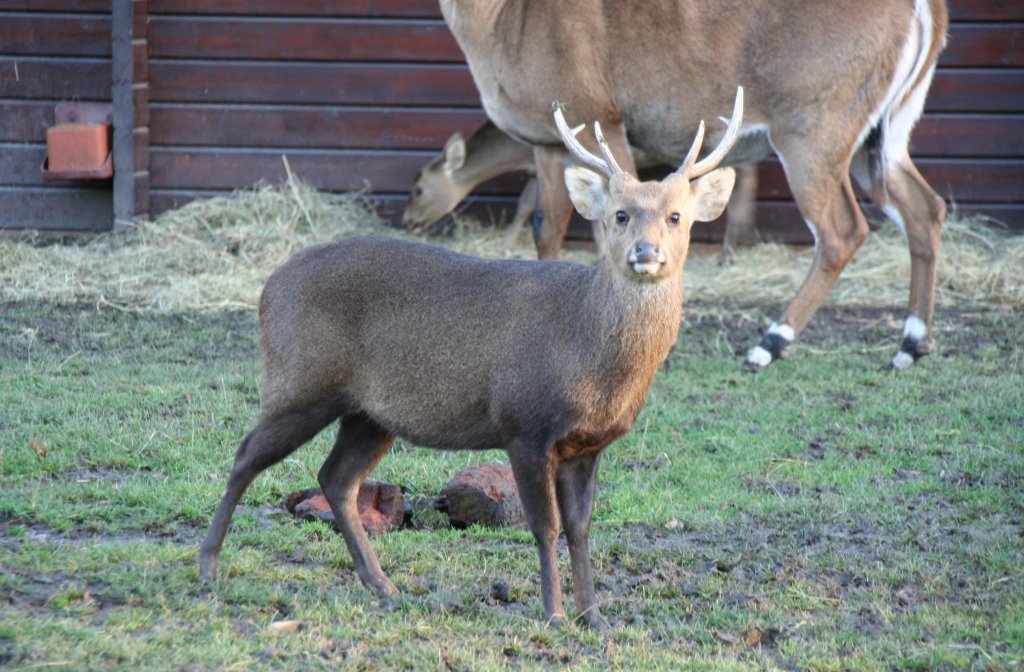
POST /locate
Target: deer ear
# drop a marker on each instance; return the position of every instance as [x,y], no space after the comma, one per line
[588,191]
[454,153]
[710,194]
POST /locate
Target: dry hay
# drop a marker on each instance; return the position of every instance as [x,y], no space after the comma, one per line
[215,254]
[979,263]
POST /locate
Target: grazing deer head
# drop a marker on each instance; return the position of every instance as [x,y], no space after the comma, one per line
[462,165]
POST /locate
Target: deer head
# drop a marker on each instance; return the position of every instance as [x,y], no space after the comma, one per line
[436,190]
[647,224]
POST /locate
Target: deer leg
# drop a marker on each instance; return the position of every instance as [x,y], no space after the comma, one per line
[577,481]
[739,214]
[920,212]
[271,441]
[360,446]
[555,210]
[525,206]
[534,471]
[834,216]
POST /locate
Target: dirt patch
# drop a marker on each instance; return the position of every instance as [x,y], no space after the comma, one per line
[31,328]
[64,331]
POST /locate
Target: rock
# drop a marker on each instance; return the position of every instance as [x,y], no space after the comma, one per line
[501,591]
[381,506]
[484,495]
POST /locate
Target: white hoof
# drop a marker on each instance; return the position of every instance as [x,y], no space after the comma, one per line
[759,357]
[902,360]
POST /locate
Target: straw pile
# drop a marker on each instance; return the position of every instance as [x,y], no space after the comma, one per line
[215,254]
[979,263]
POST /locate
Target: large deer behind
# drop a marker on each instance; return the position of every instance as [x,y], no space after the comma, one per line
[832,87]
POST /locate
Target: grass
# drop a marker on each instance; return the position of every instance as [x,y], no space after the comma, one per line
[825,514]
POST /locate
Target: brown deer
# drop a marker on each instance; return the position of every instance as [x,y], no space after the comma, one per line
[831,86]
[550,360]
[463,164]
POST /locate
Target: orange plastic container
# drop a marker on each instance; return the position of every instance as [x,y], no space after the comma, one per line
[78,151]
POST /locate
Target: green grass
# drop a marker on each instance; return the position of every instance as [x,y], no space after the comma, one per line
[826,514]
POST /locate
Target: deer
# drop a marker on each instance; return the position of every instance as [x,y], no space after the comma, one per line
[463,164]
[550,360]
[834,89]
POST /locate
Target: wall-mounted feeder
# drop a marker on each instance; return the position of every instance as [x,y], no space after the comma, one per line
[78,146]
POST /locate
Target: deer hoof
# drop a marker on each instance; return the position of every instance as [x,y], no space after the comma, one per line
[916,344]
[207,569]
[599,625]
[757,359]
[774,345]
[556,622]
[380,584]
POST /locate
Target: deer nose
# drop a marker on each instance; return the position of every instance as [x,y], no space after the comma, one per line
[646,253]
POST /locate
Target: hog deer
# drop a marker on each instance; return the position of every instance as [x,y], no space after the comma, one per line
[550,360]
[831,86]
[464,164]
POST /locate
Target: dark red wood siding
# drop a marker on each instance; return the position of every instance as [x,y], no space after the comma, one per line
[51,51]
[361,93]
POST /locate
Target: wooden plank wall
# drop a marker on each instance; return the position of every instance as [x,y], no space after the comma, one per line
[356,93]
[51,51]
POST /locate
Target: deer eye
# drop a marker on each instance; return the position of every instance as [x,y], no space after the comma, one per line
[622,218]
[674,218]
[418,191]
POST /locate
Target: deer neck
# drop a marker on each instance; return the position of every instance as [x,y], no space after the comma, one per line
[630,325]
[490,153]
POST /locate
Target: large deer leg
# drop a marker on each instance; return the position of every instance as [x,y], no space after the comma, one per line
[525,207]
[534,471]
[273,439]
[739,214]
[360,446]
[552,219]
[833,214]
[920,213]
[555,206]
[577,481]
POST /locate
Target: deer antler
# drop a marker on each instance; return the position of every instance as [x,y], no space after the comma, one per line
[694,170]
[608,165]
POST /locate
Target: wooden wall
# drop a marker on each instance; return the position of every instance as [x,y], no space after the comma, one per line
[361,93]
[356,93]
[51,51]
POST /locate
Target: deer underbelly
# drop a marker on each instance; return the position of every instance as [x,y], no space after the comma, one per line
[524,126]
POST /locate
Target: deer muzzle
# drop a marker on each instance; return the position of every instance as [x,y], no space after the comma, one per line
[646,258]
